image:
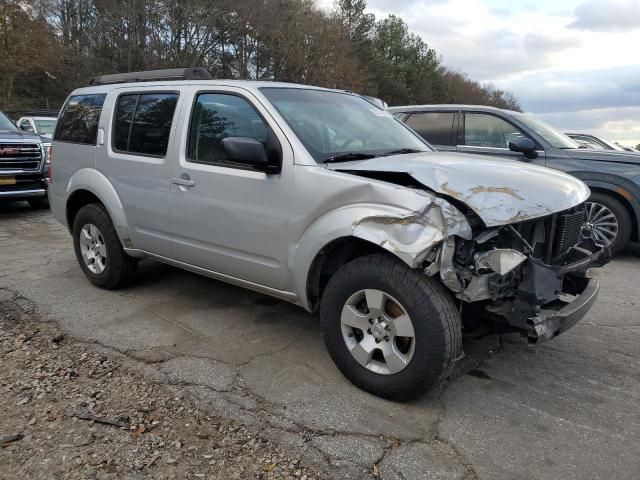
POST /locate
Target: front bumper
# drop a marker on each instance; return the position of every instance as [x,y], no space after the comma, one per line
[551,322]
[26,186]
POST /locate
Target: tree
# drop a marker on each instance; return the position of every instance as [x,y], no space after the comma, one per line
[70,41]
[29,52]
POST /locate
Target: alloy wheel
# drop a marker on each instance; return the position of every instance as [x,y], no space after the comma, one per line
[378,331]
[601,224]
[93,248]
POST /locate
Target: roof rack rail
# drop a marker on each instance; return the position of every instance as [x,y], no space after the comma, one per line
[192,73]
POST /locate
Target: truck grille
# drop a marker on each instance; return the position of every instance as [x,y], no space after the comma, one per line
[20,157]
[568,229]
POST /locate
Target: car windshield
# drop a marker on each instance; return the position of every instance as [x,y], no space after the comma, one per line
[5,123]
[336,126]
[552,135]
[45,126]
[614,145]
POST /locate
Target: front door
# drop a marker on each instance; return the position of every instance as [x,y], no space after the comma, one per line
[227,217]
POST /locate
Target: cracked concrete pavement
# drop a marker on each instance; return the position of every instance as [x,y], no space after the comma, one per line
[568,409]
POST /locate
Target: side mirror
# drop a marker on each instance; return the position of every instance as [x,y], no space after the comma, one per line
[247,151]
[524,145]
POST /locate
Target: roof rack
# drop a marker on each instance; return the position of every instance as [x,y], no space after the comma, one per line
[192,73]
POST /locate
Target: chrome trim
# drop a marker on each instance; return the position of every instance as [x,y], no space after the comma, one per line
[23,193]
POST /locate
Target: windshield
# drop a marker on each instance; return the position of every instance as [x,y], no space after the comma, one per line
[335,126]
[5,123]
[614,145]
[552,135]
[45,127]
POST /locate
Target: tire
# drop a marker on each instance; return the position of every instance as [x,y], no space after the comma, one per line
[118,268]
[39,202]
[432,312]
[602,200]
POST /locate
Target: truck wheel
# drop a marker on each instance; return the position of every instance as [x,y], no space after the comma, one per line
[608,222]
[39,202]
[391,330]
[98,249]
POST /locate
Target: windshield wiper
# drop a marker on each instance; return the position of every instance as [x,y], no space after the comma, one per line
[347,157]
[401,151]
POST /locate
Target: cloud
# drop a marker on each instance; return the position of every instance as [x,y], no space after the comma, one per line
[570,91]
[398,6]
[617,124]
[541,45]
[495,54]
[607,16]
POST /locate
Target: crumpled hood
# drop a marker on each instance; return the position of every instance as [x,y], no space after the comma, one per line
[498,191]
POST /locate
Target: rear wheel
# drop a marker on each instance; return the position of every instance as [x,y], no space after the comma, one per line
[608,222]
[98,249]
[390,330]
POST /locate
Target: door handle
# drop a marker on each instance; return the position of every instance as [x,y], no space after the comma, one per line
[185,182]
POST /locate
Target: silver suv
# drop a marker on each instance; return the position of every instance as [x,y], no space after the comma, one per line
[321,198]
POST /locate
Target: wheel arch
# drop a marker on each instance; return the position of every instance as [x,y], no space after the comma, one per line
[330,258]
[90,186]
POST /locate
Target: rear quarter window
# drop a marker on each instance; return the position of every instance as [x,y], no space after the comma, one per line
[78,122]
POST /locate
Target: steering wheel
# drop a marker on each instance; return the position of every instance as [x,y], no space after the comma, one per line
[363,139]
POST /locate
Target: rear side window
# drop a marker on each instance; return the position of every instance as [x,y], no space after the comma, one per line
[78,122]
[435,127]
[142,123]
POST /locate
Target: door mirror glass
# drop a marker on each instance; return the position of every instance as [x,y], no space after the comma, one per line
[523,145]
[246,151]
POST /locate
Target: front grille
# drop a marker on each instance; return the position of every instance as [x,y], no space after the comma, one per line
[20,157]
[568,229]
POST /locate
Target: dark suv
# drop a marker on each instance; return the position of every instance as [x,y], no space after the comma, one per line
[613,209]
[24,164]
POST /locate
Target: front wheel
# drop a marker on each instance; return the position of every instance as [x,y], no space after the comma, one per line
[607,222]
[98,249]
[390,330]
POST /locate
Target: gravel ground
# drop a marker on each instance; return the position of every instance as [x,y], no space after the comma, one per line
[70,411]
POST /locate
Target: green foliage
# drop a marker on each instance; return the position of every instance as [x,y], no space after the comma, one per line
[402,69]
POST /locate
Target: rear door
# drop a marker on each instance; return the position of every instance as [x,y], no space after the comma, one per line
[437,128]
[134,158]
[484,133]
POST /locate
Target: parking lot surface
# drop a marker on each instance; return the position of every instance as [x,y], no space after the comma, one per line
[569,409]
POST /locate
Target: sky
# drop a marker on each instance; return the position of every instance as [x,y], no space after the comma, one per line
[573,63]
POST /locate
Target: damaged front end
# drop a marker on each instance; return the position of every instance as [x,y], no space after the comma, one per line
[533,276]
